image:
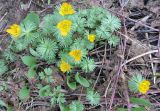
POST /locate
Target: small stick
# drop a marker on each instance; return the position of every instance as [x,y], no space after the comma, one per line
[134,20]
[29,4]
[104,56]
[3,16]
[136,57]
[152,65]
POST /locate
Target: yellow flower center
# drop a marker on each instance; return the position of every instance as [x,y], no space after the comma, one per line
[66,9]
[76,54]
[91,37]
[64,26]
[144,86]
[14,30]
[64,66]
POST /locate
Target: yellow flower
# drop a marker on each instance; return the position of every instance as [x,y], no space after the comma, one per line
[76,54]
[14,30]
[64,26]
[143,86]
[64,66]
[66,9]
[91,37]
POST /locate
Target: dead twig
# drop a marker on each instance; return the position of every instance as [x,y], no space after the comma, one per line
[3,16]
[142,21]
[141,55]
[104,58]
[154,29]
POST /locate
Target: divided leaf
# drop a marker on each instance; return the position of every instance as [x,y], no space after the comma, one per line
[45,91]
[76,106]
[2,103]
[34,17]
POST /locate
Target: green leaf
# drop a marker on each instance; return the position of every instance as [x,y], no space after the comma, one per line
[140,101]
[133,109]
[64,108]
[24,93]
[113,40]
[31,73]
[45,91]
[33,52]
[122,109]
[133,82]
[2,103]
[47,49]
[61,98]
[93,97]
[84,82]
[139,109]
[10,108]
[3,67]
[76,106]
[88,65]
[48,71]
[29,61]
[71,85]
[33,17]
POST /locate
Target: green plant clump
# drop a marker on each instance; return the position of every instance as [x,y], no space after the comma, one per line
[64,39]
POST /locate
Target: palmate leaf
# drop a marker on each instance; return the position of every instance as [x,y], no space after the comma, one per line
[9,55]
[48,71]
[83,43]
[45,91]
[133,82]
[79,25]
[102,33]
[33,17]
[61,98]
[82,12]
[87,65]
[112,22]
[47,24]
[32,37]
[65,57]
[33,52]
[113,40]
[47,49]
[64,42]
[3,67]
[27,27]
[76,106]
[93,97]
[2,103]
[19,45]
